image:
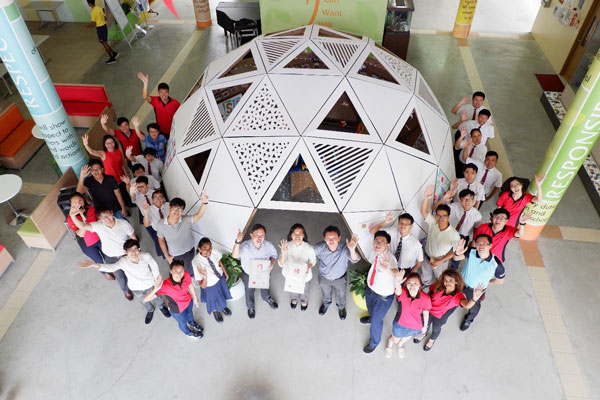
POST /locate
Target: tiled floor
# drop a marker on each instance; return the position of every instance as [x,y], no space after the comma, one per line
[75,336]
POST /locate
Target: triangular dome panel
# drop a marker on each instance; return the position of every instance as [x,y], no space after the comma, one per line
[263,115]
[307,58]
[377,189]
[177,183]
[343,53]
[247,64]
[258,160]
[403,69]
[409,135]
[183,117]
[216,67]
[370,68]
[342,164]
[383,106]
[224,179]
[446,163]
[424,92]
[324,202]
[226,99]
[343,117]
[203,127]
[274,50]
[409,172]
[196,162]
[303,95]
[435,126]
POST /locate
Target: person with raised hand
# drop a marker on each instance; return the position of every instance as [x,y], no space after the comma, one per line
[181,297]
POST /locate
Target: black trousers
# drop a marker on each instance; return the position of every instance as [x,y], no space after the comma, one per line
[475,310]
[437,323]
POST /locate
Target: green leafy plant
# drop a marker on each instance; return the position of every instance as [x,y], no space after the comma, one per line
[233,268]
[358,281]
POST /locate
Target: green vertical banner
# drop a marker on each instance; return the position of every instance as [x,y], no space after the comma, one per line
[363,17]
[571,145]
[30,76]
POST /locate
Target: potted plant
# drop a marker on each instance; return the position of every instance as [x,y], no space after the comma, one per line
[358,283]
[234,272]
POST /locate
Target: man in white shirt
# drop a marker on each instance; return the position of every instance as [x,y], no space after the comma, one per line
[468,182]
[470,146]
[442,239]
[406,248]
[469,109]
[488,175]
[152,165]
[153,214]
[379,293]
[113,233]
[141,271]
[483,123]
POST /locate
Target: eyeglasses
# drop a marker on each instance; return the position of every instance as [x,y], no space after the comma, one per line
[500,217]
[95,169]
[479,244]
[380,242]
[441,216]
[180,209]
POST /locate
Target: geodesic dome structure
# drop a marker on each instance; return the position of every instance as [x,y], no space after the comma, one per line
[308,119]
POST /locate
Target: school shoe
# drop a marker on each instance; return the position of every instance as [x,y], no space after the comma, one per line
[369,349]
[365,320]
[303,308]
[293,305]
[195,335]
[465,325]
[111,60]
[194,327]
[128,295]
[272,303]
[149,316]
[342,313]
[226,311]
[322,309]
[165,311]
[218,316]
[251,313]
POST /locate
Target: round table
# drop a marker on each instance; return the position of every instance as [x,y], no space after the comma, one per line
[11,185]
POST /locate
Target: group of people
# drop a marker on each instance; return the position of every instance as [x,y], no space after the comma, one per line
[424,278]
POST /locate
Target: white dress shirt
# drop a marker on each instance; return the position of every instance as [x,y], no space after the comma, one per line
[113,238]
[487,129]
[141,199]
[468,108]
[479,152]
[200,262]
[475,187]
[493,179]
[383,282]
[472,219]
[303,255]
[156,166]
[412,250]
[154,215]
[140,276]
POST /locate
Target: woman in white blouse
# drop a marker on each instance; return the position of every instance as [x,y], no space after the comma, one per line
[297,259]
[212,277]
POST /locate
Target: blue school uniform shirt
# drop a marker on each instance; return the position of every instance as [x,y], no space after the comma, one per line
[160,145]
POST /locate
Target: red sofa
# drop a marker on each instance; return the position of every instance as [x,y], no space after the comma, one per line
[17,144]
[83,103]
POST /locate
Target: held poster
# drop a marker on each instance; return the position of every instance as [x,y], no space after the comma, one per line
[363,17]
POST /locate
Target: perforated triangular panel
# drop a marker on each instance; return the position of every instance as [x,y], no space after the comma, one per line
[202,129]
[263,115]
[341,52]
[274,50]
[258,160]
[404,70]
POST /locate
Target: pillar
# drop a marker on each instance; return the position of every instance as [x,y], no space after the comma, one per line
[29,74]
[202,13]
[464,17]
[570,147]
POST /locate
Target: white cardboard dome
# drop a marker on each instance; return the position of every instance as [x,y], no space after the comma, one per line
[366,124]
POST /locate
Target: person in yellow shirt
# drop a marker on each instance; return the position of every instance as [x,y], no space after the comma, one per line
[99,21]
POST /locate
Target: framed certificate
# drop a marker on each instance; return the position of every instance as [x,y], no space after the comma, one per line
[295,278]
[259,274]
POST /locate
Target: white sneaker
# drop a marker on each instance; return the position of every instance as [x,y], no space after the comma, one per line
[388,352]
[401,352]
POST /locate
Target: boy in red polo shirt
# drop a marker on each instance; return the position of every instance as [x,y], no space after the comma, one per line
[164,106]
[500,232]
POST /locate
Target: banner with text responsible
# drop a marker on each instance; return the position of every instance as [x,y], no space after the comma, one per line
[571,145]
[30,76]
[363,17]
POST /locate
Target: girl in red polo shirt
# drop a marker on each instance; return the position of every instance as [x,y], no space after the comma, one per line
[446,294]
[412,304]
[179,292]
[514,198]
